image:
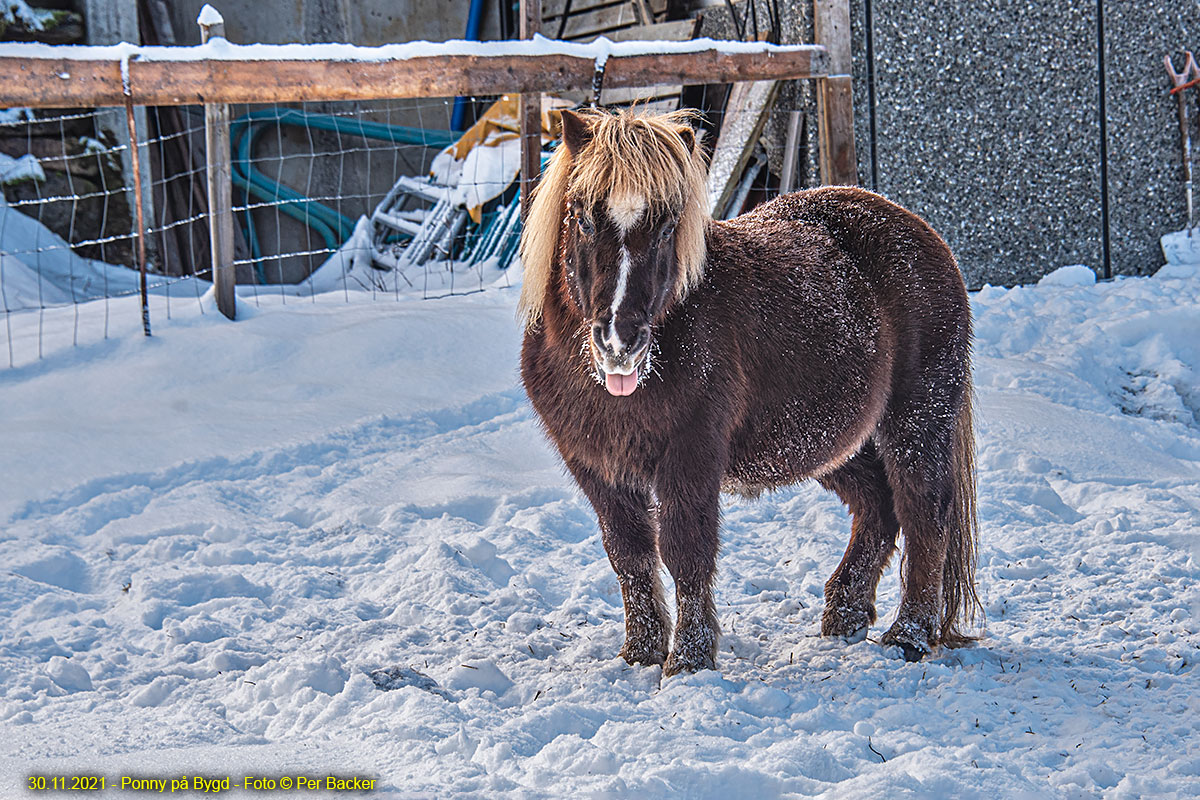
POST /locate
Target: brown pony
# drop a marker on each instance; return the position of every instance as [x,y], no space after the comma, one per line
[826,335]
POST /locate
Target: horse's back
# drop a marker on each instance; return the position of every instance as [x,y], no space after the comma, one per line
[847,299]
[908,267]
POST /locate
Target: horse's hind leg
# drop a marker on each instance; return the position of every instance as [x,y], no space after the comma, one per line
[628,534]
[923,489]
[862,485]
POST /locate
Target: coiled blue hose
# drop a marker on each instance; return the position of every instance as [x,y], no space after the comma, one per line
[333,227]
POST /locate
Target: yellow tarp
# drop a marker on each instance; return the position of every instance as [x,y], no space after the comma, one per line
[501,123]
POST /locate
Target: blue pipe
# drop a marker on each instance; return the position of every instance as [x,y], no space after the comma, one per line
[258,186]
[474,23]
[333,227]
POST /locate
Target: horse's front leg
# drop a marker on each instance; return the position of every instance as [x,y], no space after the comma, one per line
[628,534]
[688,490]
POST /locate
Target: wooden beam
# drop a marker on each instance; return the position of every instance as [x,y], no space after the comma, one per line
[787,173]
[678,31]
[835,99]
[220,192]
[745,115]
[89,82]
[552,9]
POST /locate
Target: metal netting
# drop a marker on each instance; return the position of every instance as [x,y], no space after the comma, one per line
[331,201]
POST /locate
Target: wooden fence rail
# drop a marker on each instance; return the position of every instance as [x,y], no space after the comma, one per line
[40,77]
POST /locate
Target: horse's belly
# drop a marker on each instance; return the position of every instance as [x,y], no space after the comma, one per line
[789,446]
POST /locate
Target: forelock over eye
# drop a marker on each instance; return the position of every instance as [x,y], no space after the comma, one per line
[585,224]
[668,228]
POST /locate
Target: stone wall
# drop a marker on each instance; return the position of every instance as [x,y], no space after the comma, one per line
[987,122]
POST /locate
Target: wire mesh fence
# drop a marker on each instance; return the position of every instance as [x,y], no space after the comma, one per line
[332,201]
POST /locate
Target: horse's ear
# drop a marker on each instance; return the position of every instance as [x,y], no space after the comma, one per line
[689,138]
[576,133]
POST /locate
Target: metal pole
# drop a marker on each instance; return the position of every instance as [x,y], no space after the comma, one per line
[220,183]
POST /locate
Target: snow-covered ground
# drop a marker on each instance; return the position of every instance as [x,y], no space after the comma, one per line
[212,538]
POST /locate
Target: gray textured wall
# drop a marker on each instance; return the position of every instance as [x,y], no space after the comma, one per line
[987,122]
[1145,173]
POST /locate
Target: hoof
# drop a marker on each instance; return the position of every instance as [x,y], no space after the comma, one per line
[910,643]
[850,624]
[677,663]
[644,656]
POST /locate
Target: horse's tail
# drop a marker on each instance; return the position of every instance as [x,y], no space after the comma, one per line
[960,603]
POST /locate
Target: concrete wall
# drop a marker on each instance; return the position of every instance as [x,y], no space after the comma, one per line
[987,122]
[1145,172]
[363,22]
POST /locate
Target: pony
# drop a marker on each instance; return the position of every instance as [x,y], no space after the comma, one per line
[825,334]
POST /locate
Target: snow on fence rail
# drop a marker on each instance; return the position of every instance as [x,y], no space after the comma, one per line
[221,72]
[309,183]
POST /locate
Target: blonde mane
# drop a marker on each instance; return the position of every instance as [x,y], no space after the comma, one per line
[629,154]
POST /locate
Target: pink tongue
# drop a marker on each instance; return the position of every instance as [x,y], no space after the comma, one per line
[620,385]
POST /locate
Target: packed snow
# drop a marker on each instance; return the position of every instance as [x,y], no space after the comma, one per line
[16,170]
[38,268]
[209,16]
[219,49]
[330,538]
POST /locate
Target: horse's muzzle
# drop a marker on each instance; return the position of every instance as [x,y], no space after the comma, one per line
[617,362]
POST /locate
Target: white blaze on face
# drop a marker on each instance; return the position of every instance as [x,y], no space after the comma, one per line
[625,211]
[612,338]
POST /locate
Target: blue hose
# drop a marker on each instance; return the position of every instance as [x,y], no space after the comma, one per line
[333,227]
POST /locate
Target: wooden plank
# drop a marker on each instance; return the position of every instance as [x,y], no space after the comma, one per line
[787,173]
[53,82]
[37,82]
[553,9]
[835,100]
[835,132]
[659,105]
[678,31]
[745,115]
[596,22]
[622,97]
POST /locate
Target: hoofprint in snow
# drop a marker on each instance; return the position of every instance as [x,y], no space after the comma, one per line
[213,538]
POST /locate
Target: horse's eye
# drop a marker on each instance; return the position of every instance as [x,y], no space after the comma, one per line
[667,230]
[585,225]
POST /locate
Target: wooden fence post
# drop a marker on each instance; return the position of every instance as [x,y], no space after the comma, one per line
[531,114]
[220,183]
[835,102]
[787,173]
